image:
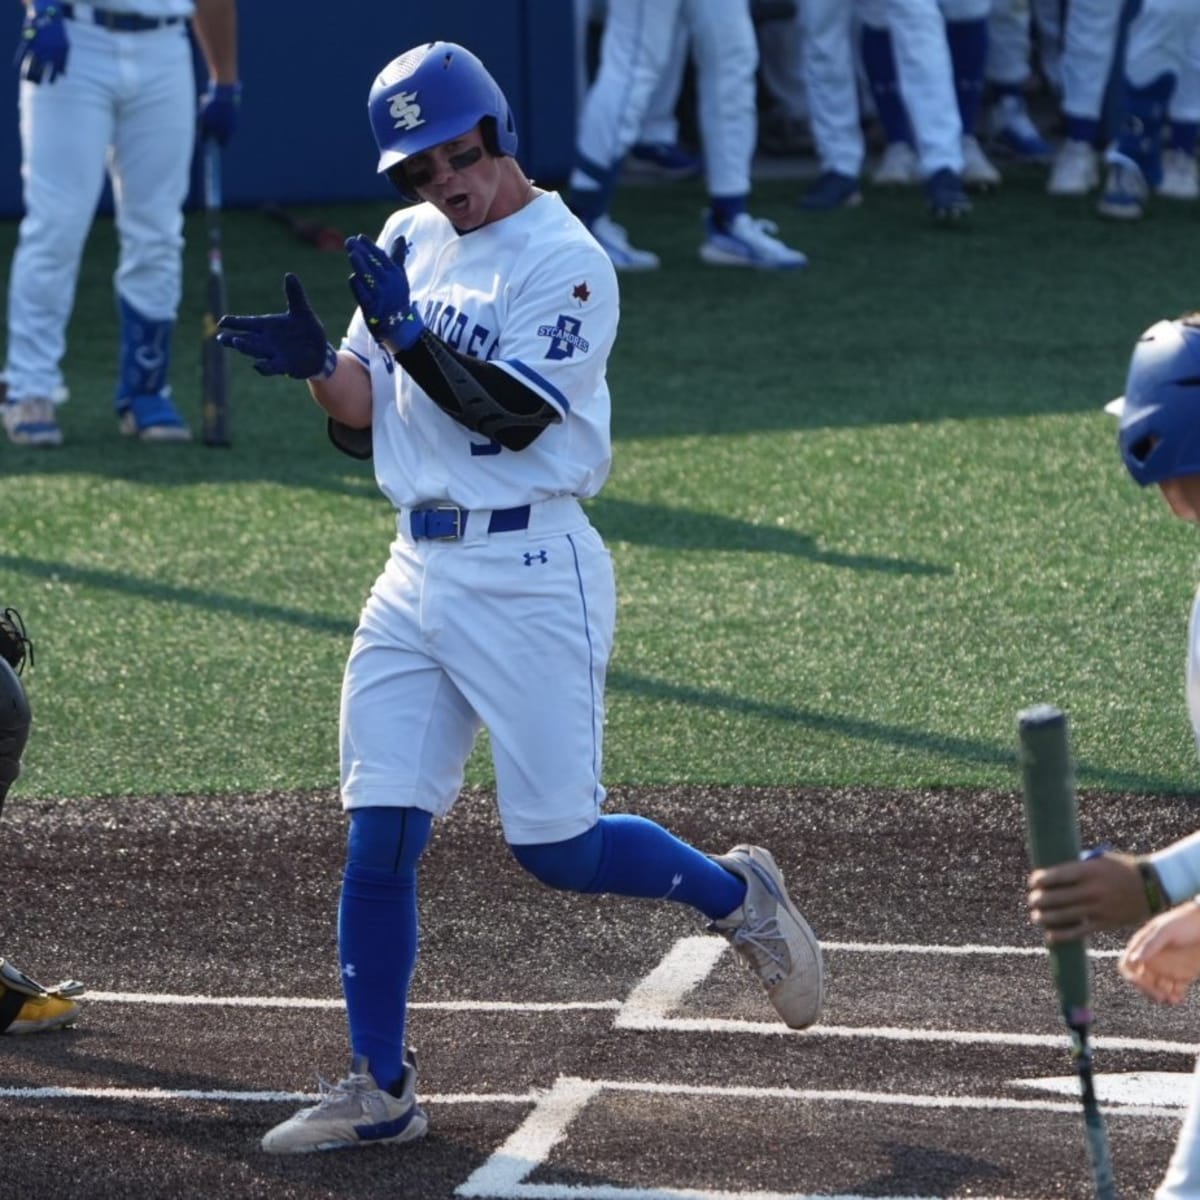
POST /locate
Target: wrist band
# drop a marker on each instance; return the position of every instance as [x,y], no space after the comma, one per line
[1156,898]
[331,361]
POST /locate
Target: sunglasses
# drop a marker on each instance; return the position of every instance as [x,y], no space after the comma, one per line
[422,176]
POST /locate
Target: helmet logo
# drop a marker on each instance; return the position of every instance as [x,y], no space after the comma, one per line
[405,111]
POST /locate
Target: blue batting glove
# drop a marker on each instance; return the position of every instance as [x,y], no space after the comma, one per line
[380,285]
[289,343]
[219,111]
[42,51]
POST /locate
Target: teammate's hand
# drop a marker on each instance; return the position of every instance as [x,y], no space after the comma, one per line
[219,111]
[380,285]
[1163,958]
[1074,899]
[42,51]
[289,343]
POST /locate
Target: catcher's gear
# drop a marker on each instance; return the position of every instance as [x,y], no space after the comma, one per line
[14,728]
[432,94]
[1159,434]
[15,646]
[28,1007]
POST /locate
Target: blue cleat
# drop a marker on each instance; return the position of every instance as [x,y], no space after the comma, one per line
[947,197]
[832,190]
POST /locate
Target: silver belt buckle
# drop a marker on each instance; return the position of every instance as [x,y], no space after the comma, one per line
[458,522]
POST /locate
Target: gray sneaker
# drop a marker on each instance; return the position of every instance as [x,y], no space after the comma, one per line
[773,938]
[353,1112]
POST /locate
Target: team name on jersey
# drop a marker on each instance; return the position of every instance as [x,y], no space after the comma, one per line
[448,323]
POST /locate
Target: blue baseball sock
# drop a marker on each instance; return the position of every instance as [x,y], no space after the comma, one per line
[377,931]
[1145,111]
[1083,129]
[879,63]
[725,209]
[968,52]
[625,855]
[1184,135]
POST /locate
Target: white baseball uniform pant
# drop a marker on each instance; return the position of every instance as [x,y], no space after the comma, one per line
[131,96]
[508,631]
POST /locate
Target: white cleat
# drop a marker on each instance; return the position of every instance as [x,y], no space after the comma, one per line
[898,166]
[773,939]
[748,242]
[353,1112]
[615,243]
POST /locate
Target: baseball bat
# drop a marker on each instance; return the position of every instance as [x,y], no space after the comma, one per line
[323,237]
[214,362]
[1052,829]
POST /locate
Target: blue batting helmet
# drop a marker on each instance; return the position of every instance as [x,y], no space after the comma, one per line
[1159,434]
[434,93]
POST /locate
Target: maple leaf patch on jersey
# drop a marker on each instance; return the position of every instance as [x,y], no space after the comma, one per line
[564,337]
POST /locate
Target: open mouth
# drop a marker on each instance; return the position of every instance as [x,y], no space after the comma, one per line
[458,203]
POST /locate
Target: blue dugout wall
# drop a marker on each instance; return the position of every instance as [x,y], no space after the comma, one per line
[307,66]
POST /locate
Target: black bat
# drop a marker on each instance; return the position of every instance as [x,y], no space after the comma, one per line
[1052,828]
[214,361]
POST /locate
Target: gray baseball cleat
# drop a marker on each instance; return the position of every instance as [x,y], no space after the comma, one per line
[353,1112]
[773,938]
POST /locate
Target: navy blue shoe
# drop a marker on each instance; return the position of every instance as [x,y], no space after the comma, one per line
[664,160]
[947,197]
[832,190]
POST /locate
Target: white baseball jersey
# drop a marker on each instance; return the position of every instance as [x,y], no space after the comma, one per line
[509,629]
[535,295]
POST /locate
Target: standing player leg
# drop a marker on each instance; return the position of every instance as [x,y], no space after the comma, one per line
[1008,70]
[635,50]
[1180,177]
[725,50]
[65,132]
[152,154]
[1159,38]
[967,36]
[828,65]
[1090,35]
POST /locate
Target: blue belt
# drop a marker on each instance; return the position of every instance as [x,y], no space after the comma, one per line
[118,22]
[448,522]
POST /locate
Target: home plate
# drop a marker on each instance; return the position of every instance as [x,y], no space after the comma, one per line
[1147,1089]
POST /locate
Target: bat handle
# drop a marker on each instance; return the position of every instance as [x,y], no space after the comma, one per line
[212,175]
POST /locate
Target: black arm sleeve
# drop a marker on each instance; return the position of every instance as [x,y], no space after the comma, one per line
[479,395]
[357,443]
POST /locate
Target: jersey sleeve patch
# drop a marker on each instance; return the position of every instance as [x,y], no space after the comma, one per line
[565,336]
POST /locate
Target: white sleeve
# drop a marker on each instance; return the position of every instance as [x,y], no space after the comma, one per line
[1178,867]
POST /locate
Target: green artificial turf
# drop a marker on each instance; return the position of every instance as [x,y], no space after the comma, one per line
[861,516]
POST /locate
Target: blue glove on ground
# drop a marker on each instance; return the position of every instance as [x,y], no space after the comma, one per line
[219,111]
[380,285]
[42,51]
[288,343]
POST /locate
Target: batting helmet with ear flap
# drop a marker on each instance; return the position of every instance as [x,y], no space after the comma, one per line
[1159,435]
[431,94]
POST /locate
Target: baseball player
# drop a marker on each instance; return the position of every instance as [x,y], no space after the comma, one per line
[640,37]
[1159,439]
[474,372]
[109,88]
[1161,76]
[904,44]
[25,1005]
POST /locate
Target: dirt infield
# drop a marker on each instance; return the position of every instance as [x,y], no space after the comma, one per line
[588,1048]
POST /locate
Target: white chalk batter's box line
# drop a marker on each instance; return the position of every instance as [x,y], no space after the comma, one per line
[649,1006]
[504,1176]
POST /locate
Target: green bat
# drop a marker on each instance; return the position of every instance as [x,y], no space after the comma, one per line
[1052,829]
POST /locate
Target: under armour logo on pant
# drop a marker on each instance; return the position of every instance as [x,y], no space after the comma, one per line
[531,558]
